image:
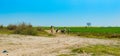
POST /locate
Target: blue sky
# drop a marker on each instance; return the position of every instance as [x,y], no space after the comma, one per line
[60,12]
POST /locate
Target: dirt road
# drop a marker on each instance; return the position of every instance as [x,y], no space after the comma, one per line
[19,45]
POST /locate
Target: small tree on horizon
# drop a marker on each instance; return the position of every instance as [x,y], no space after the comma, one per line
[88,24]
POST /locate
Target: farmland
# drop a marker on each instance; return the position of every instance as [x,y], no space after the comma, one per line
[110,32]
[105,32]
[97,32]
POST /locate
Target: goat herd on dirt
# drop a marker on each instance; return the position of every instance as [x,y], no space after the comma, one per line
[63,31]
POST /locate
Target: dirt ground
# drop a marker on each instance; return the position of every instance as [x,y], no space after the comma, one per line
[19,45]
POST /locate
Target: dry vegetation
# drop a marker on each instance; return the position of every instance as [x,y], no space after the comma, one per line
[23,29]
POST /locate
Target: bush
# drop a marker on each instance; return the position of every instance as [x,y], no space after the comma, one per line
[11,27]
[39,29]
[25,29]
[1,26]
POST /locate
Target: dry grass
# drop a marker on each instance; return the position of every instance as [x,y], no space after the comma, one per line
[20,45]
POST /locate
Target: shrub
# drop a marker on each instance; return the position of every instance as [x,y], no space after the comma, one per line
[25,29]
[1,26]
[39,29]
[11,27]
[29,25]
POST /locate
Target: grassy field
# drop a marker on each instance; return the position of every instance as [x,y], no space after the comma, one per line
[110,32]
[96,50]
[105,32]
[99,50]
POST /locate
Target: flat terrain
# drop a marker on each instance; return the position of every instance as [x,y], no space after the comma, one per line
[20,45]
[102,32]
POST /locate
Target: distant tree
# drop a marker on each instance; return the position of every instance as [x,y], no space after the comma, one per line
[88,24]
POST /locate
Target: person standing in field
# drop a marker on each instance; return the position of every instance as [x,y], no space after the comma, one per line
[52,29]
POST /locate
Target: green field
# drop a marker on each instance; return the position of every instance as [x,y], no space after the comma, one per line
[109,32]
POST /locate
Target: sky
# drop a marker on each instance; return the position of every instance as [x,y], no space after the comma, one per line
[60,12]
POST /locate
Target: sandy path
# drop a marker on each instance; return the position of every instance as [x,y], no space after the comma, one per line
[18,45]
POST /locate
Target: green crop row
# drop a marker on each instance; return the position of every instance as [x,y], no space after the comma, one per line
[111,32]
